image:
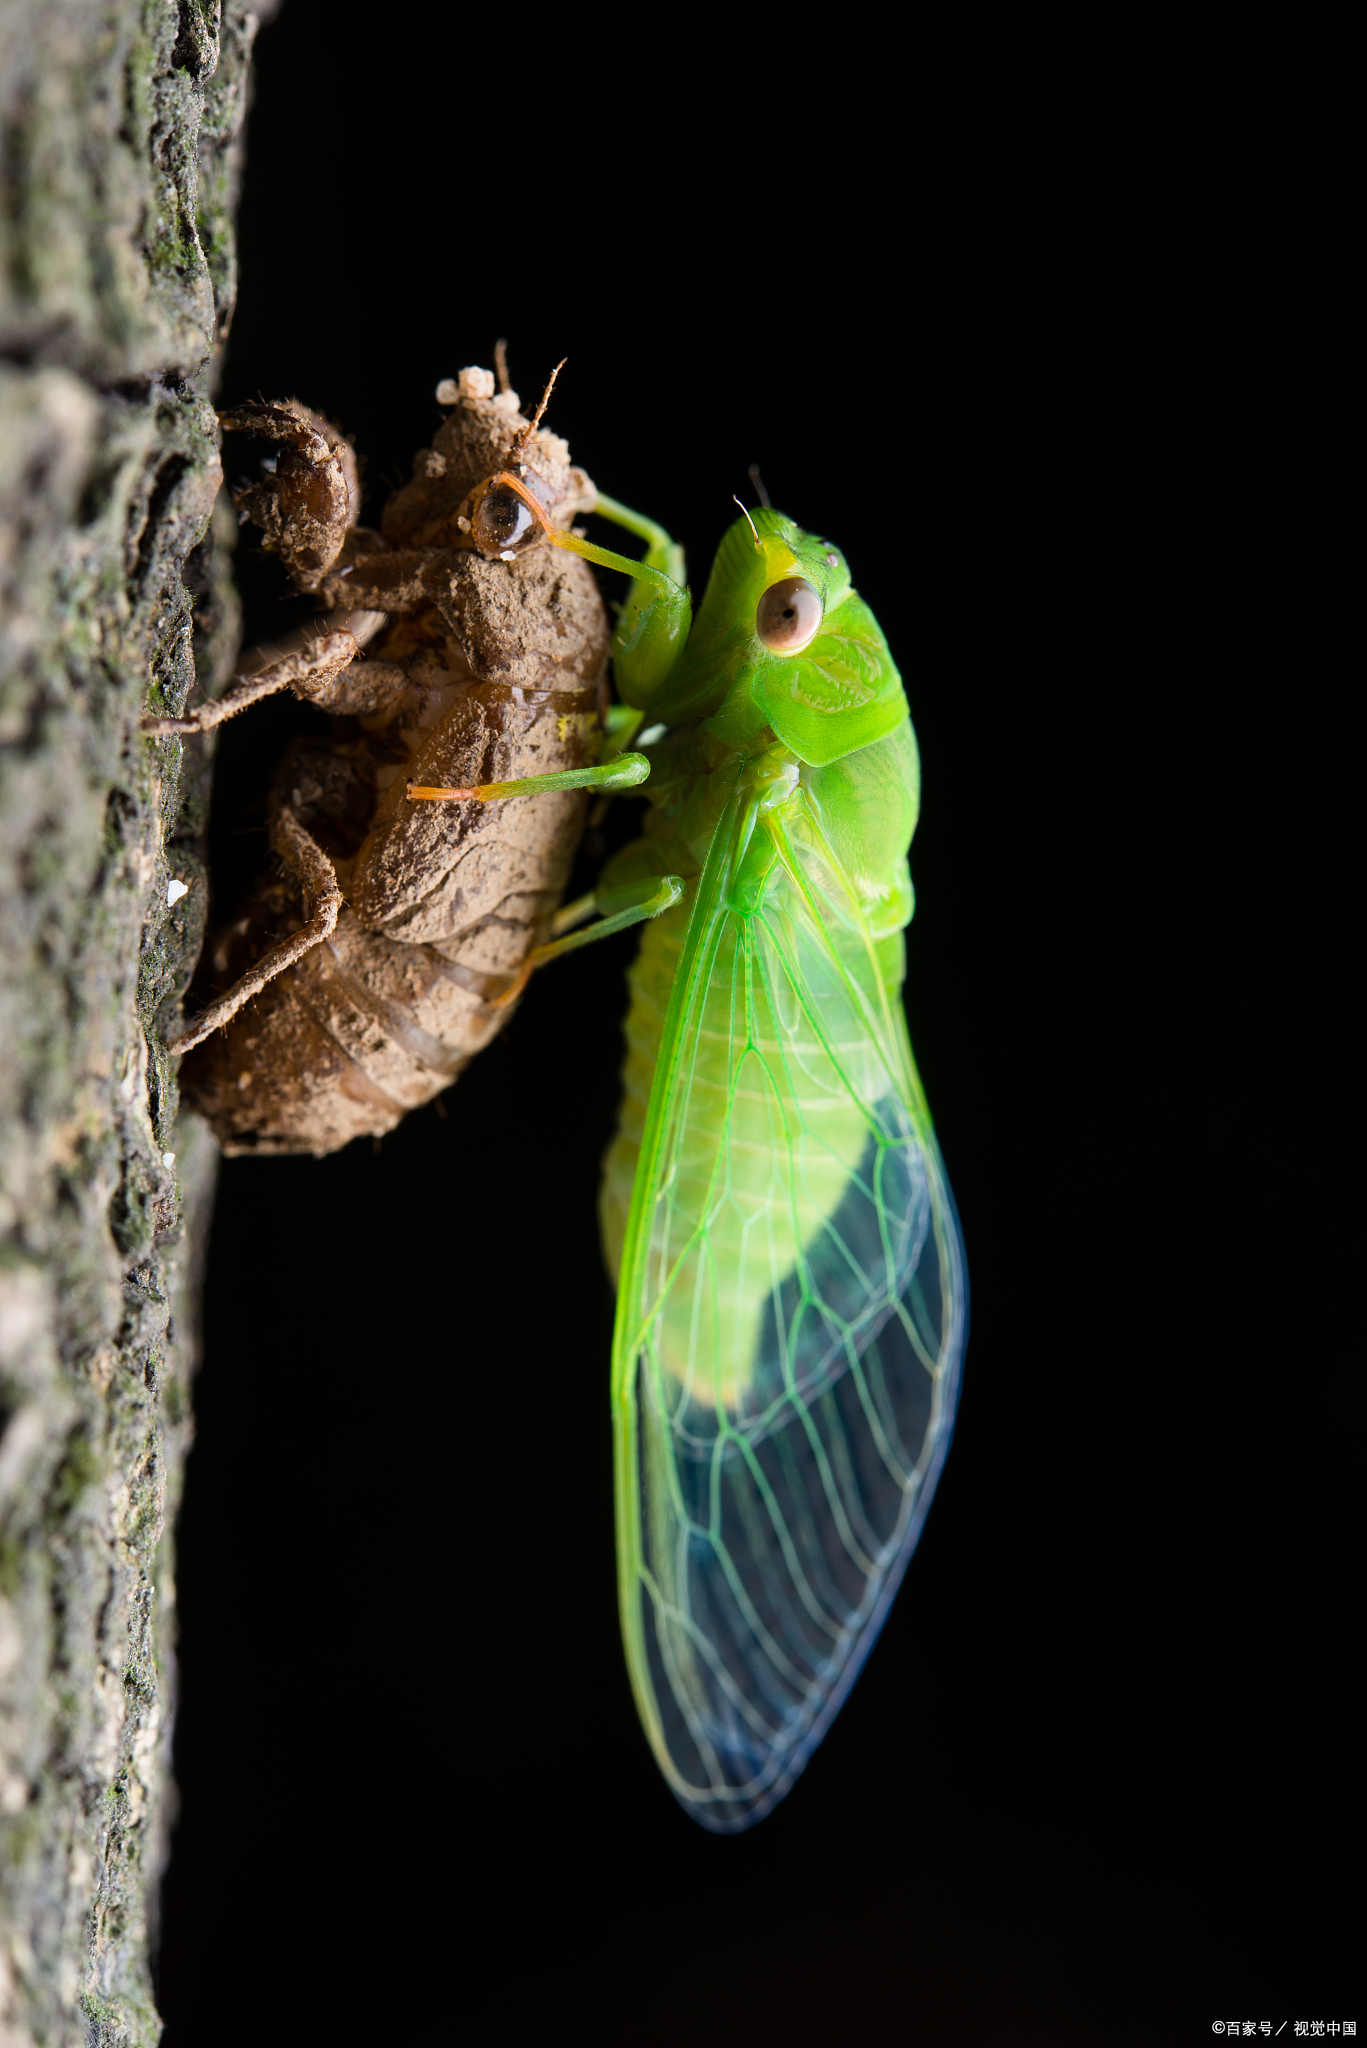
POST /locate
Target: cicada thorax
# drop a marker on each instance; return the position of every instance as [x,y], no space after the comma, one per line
[481,670]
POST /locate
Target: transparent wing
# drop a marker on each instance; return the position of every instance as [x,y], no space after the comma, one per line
[791,1322]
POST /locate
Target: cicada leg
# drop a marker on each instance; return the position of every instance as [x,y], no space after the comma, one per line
[320,660]
[652,898]
[662,553]
[653,624]
[625,771]
[301,851]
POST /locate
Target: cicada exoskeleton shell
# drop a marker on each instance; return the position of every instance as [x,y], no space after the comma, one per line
[470,670]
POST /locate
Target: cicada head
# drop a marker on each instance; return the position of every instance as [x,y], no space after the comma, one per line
[781,640]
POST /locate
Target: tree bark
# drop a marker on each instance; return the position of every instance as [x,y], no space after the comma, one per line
[122,140]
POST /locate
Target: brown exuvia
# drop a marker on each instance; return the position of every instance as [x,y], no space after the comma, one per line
[455,653]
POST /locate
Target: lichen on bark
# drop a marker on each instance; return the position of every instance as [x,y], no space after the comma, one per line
[122,126]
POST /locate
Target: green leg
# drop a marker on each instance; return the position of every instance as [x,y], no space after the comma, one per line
[606,559]
[625,771]
[571,914]
[653,897]
[654,621]
[661,552]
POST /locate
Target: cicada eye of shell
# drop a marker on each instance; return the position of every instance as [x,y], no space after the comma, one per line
[788,615]
[502,524]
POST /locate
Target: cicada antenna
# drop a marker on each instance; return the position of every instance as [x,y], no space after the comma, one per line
[535,421]
[758,481]
[749,521]
[501,365]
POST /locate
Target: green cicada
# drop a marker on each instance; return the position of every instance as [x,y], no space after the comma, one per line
[792,1298]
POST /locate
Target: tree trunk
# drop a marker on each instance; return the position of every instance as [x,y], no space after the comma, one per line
[122,125]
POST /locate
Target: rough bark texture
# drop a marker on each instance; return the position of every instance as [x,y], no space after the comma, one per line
[121,127]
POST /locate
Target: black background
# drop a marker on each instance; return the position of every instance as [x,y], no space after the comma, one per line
[1089,1788]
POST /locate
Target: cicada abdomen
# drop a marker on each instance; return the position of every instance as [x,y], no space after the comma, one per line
[479,656]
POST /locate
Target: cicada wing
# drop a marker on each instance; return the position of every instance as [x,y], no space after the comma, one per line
[790,1332]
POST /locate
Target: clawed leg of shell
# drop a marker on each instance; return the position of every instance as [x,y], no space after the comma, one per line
[301,851]
[322,657]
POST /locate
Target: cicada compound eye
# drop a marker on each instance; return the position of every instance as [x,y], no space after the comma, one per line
[788,615]
[502,523]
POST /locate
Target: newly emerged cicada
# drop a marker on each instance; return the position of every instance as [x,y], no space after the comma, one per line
[792,1297]
[458,649]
